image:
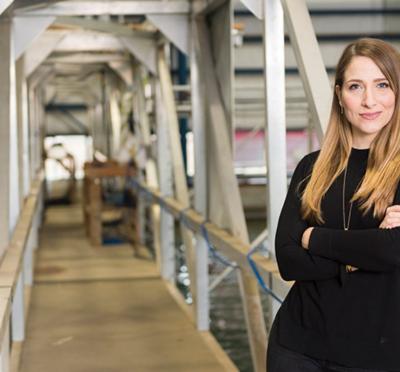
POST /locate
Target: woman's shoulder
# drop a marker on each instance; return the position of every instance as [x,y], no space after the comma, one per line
[308,160]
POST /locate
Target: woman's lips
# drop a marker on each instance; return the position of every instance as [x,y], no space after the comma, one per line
[370,115]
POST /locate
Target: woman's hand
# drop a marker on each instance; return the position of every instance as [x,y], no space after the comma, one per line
[392,218]
[305,239]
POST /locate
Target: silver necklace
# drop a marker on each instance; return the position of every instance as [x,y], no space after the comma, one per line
[346,227]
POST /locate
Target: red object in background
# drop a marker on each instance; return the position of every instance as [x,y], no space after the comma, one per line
[249,148]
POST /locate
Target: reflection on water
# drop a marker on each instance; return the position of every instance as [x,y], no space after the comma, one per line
[227,321]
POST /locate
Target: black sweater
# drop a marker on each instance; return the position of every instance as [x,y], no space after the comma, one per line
[352,319]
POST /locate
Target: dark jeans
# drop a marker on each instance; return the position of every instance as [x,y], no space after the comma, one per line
[280,359]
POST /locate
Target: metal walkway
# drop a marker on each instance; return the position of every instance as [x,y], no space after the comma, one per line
[101,309]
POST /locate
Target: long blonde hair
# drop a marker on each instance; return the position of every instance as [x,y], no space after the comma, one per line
[383,168]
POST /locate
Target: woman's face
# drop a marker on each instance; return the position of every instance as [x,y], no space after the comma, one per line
[367,100]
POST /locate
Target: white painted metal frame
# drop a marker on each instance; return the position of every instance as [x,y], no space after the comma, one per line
[309,59]
[16,270]
[4,4]
[275,130]
[229,197]
[199,127]
[175,27]
[150,165]
[144,50]
[179,176]
[27,30]
[164,162]
[108,8]
[7,77]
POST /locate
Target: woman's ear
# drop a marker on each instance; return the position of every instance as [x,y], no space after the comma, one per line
[339,94]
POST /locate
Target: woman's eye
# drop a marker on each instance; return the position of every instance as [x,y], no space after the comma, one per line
[354,86]
[383,84]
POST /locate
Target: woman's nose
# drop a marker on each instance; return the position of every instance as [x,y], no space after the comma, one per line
[369,99]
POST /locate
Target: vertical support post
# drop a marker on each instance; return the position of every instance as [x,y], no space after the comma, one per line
[34,235]
[7,116]
[275,131]
[183,121]
[95,211]
[141,203]
[167,224]
[17,312]
[150,165]
[37,221]
[41,128]
[32,124]
[200,176]
[309,60]
[230,197]
[141,214]
[35,124]
[28,257]
[5,351]
[23,130]
[181,189]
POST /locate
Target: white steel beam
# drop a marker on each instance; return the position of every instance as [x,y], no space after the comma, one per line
[17,314]
[201,190]
[221,23]
[89,41]
[7,135]
[4,4]
[275,110]
[275,131]
[103,26]
[41,48]
[27,30]
[123,69]
[86,58]
[230,198]
[5,346]
[175,27]
[164,162]
[28,257]
[218,131]
[98,8]
[255,6]
[204,7]
[181,189]
[143,50]
[23,130]
[311,66]
[14,180]
[151,168]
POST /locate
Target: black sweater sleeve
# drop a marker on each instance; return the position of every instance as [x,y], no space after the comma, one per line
[369,249]
[294,262]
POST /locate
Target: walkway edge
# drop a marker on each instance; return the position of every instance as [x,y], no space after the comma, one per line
[207,336]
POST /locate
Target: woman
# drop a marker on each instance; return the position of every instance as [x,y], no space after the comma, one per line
[338,235]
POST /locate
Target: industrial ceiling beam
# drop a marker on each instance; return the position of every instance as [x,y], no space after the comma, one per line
[175,27]
[103,26]
[143,50]
[205,7]
[26,30]
[41,48]
[4,4]
[255,6]
[88,41]
[86,57]
[98,8]
[123,70]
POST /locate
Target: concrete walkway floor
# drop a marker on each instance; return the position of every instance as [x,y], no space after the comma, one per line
[102,310]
